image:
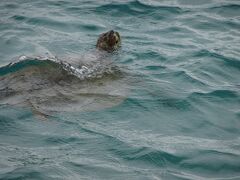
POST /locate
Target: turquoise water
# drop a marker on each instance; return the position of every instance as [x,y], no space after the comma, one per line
[165,106]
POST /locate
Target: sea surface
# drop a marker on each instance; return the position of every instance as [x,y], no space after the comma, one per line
[166,105]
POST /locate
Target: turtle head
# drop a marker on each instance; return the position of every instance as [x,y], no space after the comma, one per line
[109,41]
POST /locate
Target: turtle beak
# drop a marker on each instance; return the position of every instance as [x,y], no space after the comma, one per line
[111,38]
[111,33]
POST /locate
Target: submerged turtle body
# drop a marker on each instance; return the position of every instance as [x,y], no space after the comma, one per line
[109,41]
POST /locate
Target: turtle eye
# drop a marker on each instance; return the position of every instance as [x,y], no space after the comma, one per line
[116,41]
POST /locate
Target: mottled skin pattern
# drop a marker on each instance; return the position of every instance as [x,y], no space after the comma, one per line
[109,41]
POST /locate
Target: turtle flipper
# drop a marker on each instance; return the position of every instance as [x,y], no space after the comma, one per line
[37,111]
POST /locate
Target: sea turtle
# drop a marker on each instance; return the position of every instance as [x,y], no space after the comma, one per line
[50,85]
[109,41]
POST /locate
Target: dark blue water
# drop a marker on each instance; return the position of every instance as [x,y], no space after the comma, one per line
[165,106]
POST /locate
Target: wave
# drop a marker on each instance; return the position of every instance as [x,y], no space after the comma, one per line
[153,150]
[229,61]
[227,6]
[224,94]
[55,24]
[82,72]
[137,8]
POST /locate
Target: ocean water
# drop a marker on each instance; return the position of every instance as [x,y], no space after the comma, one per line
[164,106]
